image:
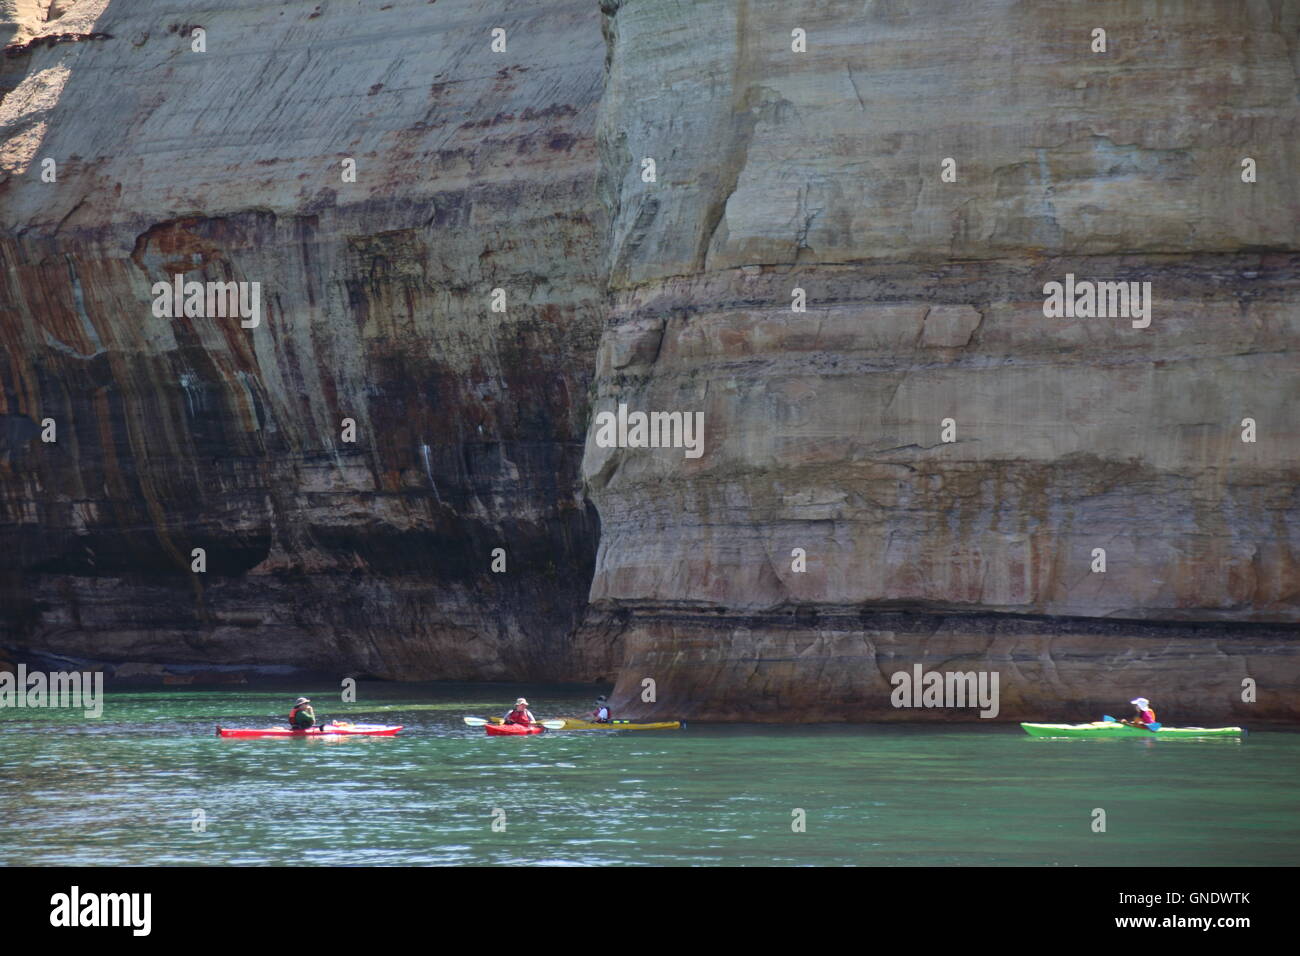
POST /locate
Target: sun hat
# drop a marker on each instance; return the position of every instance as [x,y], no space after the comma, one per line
[601,699]
[1141,702]
[301,700]
[521,701]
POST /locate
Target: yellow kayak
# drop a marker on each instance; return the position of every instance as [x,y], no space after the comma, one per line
[576,723]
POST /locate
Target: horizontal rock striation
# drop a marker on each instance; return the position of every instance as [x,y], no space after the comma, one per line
[475,171]
[779,171]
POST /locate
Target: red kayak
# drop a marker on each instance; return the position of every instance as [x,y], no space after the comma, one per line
[511,730]
[328,730]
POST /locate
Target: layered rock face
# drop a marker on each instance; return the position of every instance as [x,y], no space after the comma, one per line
[921,467]
[475,171]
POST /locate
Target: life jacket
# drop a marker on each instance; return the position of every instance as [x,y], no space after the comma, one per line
[293,717]
[1147,716]
[519,717]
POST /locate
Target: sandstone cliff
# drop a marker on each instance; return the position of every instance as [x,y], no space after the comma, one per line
[775,171]
[821,171]
[475,172]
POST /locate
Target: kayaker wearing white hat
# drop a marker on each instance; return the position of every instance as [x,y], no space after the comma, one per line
[302,717]
[1144,713]
[601,714]
[521,714]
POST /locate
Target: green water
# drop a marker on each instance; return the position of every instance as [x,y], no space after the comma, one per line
[122,790]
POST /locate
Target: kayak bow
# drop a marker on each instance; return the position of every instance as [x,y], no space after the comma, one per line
[335,729]
[1102,728]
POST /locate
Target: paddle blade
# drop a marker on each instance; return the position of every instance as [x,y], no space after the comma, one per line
[1109,719]
[474,721]
[552,724]
[1154,726]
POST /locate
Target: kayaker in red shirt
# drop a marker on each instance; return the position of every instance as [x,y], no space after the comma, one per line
[521,714]
[1144,713]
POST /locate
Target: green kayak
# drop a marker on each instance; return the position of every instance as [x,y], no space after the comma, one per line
[1111,729]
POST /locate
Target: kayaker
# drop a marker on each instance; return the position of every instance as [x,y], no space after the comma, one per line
[521,714]
[1144,714]
[302,717]
[601,714]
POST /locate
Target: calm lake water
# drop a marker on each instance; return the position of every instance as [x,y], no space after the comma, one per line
[122,789]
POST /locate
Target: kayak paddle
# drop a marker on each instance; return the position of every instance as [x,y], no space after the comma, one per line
[548,724]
